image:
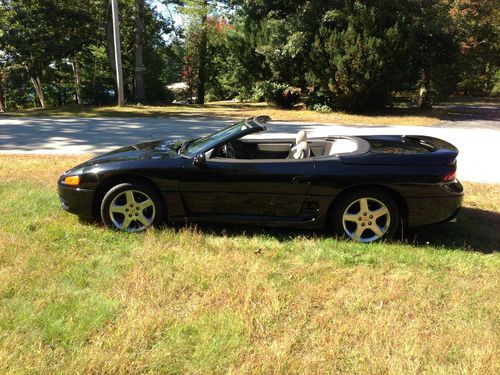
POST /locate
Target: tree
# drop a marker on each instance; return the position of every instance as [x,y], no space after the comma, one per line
[431,46]
[283,32]
[355,56]
[196,45]
[200,13]
[202,52]
[152,52]
[477,32]
[2,91]
[75,64]
[37,32]
[139,93]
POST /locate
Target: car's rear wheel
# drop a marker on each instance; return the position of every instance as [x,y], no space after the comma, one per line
[366,216]
[131,207]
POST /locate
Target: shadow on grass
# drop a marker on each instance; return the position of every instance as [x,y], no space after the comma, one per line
[217,110]
[476,230]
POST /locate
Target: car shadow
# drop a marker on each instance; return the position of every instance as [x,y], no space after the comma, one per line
[475,230]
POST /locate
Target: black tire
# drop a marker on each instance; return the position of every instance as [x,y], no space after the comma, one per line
[349,218]
[137,206]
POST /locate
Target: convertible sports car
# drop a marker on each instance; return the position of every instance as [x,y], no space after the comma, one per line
[363,188]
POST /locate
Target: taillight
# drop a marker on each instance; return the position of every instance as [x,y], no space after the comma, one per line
[450,176]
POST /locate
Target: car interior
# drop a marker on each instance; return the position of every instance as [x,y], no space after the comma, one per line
[300,148]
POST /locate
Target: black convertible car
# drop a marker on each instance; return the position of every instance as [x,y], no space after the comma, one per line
[363,188]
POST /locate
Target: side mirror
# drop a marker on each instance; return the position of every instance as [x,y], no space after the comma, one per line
[200,160]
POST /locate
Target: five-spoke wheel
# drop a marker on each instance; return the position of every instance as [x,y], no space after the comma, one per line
[131,207]
[366,216]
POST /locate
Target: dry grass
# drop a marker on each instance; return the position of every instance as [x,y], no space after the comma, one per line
[77,298]
[483,196]
[397,116]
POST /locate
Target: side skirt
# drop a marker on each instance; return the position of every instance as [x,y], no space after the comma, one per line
[271,221]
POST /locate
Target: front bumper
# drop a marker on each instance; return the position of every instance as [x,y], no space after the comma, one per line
[77,201]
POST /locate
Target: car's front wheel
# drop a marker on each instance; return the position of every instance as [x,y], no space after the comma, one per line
[366,216]
[131,207]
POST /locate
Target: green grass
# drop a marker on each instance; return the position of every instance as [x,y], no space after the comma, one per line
[78,298]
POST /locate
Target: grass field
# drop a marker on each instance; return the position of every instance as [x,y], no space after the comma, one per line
[77,298]
[396,116]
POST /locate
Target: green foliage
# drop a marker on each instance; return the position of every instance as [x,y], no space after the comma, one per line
[42,38]
[348,55]
[35,32]
[280,94]
[20,92]
[97,83]
[477,32]
[355,57]
[320,101]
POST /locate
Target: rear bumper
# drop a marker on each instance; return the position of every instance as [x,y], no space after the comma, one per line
[77,201]
[425,211]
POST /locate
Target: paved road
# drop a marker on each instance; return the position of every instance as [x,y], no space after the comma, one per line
[478,142]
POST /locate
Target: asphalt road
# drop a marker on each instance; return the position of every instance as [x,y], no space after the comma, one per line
[478,138]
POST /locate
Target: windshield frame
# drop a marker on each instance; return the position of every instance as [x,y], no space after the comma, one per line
[193,147]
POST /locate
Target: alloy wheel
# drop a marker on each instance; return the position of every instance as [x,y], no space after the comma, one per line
[132,211]
[366,219]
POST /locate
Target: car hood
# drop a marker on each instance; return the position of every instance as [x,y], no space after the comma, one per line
[160,149]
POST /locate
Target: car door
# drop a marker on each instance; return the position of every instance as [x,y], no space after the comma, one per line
[275,188]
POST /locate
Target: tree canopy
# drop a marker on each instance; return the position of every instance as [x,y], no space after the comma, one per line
[327,54]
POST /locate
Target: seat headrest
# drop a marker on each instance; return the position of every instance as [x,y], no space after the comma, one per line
[301,137]
[301,149]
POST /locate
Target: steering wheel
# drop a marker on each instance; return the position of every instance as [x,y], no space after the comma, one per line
[228,151]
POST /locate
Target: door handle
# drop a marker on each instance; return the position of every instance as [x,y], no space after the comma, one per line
[302,179]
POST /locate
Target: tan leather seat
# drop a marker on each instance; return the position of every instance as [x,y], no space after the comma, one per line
[300,150]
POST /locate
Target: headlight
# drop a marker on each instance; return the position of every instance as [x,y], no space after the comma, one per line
[71,180]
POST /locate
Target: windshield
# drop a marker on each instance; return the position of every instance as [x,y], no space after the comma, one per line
[194,147]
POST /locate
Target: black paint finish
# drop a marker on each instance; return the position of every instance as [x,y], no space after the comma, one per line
[262,186]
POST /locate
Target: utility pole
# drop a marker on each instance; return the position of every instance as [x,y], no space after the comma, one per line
[118,53]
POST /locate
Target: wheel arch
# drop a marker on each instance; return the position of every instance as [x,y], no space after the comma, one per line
[398,199]
[105,185]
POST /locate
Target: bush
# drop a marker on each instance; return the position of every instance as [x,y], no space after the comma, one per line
[258,92]
[323,108]
[277,93]
[320,101]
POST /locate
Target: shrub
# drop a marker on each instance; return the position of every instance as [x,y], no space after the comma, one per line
[258,92]
[277,93]
[354,58]
[320,101]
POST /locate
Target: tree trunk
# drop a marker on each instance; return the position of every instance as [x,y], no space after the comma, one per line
[110,47]
[423,98]
[139,93]
[37,84]
[78,81]
[202,74]
[2,93]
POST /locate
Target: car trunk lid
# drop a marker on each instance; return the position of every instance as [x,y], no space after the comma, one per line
[404,150]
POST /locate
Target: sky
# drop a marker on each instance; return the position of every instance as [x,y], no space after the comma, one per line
[167,13]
